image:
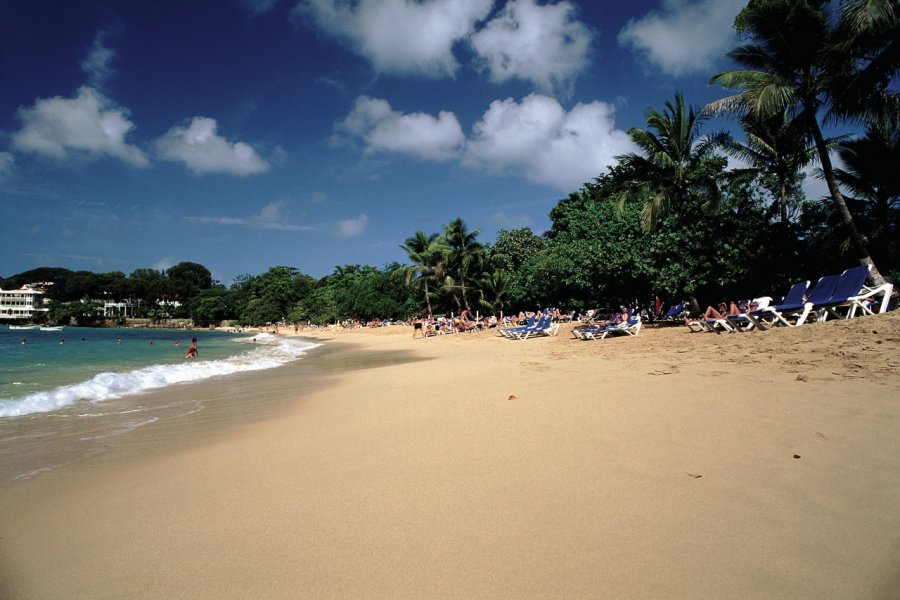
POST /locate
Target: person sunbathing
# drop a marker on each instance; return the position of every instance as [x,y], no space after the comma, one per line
[724,309]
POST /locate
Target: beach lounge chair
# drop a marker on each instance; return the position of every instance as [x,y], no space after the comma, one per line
[543,325]
[793,301]
[510,332]
[852,294]
[792,307]
[674,313]
[630,327]
[592,332]
[741,322]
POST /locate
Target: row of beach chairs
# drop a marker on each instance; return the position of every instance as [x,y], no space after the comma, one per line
[535,326]
[841,296]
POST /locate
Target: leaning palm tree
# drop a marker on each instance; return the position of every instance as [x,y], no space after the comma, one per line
[670,166]
[465,260]
[795,62]
[429,256]
[775,147]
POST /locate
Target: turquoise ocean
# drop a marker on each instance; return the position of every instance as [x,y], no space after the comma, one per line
[67,387]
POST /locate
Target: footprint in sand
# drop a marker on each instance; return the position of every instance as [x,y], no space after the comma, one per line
[670,370]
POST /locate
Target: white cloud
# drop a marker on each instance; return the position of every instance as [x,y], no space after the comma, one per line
[276,216]
[508,221]
[88,125]
[540,140]
[351,227]
[417,134]
[541,44]
[273,216]
[536,138]
[202,150]
[399,36]
[686,36]
[163,264]
[98,63]
[7,163]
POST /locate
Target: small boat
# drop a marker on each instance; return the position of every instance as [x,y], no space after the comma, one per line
[48,328]
[23,326]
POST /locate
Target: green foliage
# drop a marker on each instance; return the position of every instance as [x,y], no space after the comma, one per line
[83,313]
[514,247]
[211,306]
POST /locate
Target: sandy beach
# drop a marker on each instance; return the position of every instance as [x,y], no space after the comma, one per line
[669,465]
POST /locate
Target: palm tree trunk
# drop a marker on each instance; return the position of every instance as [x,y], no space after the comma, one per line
[855,236]
[784,215]
[427,299]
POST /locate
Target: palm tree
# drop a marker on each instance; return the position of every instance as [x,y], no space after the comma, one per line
[795,63]
[465,260]
[873,178]
[429,256]
[671,165]
[493,289]
[776,147]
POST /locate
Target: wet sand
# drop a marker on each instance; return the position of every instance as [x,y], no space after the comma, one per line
[671,465]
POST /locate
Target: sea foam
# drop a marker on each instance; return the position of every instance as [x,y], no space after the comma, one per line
[268,352]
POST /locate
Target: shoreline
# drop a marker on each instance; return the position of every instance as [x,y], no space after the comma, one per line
[667,465]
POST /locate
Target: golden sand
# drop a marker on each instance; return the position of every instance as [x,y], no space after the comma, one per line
[669,465]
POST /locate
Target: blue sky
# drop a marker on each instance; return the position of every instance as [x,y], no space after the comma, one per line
[244,134]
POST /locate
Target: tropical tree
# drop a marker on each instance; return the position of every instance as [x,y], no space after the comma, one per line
[672,164]
[798,61]
[493,289]
[514,247]
[776,150]
[872,177]
[428,254]
[465,260]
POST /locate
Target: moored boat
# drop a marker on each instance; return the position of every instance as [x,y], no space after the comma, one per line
[56,328]
[23,326]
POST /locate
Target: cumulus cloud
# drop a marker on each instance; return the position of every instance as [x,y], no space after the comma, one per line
[276,216]
[351,227]
[98,63]
[417,134]
[544,45]
[538,138]
[535,138]
[7,162]
[399,36]
[88,125]
[687,36]
[202,150]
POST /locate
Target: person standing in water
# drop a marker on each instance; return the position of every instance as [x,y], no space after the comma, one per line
[192,350]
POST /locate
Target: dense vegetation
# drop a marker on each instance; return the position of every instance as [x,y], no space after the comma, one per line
[668,221]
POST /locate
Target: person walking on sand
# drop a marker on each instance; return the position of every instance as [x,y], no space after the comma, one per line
[192,350]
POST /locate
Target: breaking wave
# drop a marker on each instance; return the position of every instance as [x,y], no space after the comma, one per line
[267,352]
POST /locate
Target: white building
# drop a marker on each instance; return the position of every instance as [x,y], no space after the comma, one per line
[21,304]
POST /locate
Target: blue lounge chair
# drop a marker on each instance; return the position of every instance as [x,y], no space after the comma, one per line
[630,327]
[510,332]
[674,313]
[852,294]
[794,308]
[543,327]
